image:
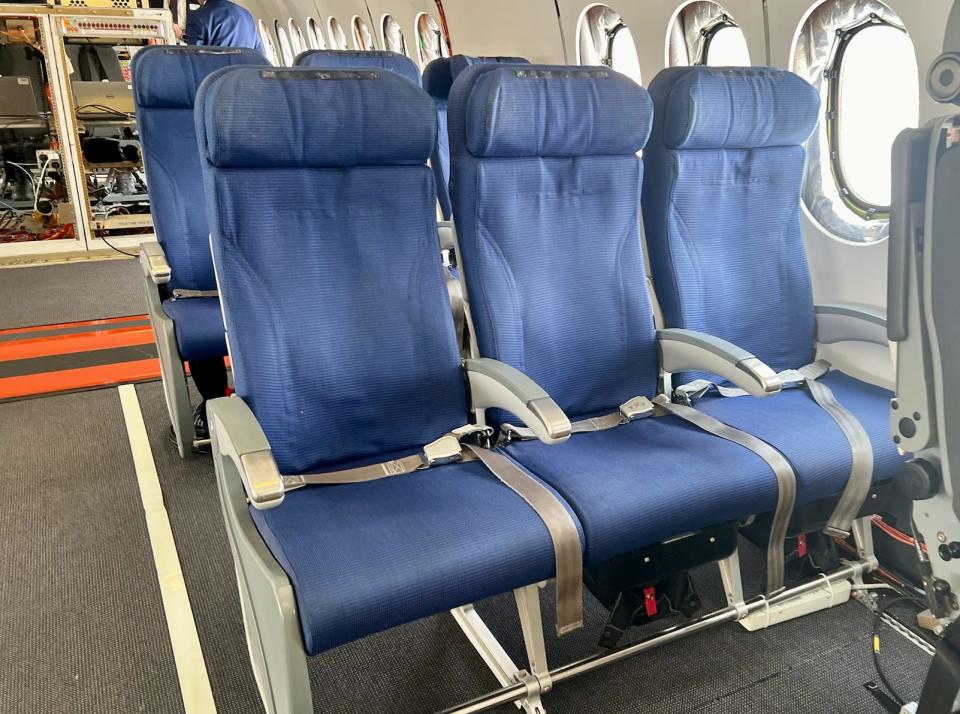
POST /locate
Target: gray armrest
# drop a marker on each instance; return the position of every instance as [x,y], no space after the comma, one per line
[690,350]
[851,323]
[495,385]
[154,262]
[236,435]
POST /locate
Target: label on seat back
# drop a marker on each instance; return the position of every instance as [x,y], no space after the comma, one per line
[320,74]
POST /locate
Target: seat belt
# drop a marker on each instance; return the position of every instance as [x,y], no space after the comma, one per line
[861,470]
[457,300]
[182,294]
[568,554]
[641,407]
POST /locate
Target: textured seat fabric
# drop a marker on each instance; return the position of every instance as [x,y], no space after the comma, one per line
[721,205]
[343,345]
[546,190]
[369,556]
[198,325]
[357,59]
[438,77]
[804,433]
[165,82]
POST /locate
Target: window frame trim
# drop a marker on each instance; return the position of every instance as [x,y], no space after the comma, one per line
[864,209]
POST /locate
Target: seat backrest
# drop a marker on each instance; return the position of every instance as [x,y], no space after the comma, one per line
[438,77]
[721,207]
[546,190]
[165,82]
[355,59]
[325,241]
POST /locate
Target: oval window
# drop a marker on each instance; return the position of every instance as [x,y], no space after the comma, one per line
[362,36]
[297,40]
[393,38]
[286,51]
[338,40]
[315,35]
[269,46]
[863,63]
[603,38]
[704,33]
[431,43]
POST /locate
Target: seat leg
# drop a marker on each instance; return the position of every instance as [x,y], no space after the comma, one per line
[175,391]
[267,601]
[732,582]
[537,680]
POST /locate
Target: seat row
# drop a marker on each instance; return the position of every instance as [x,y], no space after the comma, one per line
[361,475]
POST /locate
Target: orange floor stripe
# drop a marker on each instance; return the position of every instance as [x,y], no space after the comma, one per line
[81,323]
[81,378]
[75,342]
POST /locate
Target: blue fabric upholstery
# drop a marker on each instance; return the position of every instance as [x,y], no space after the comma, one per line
[648,481]
[344,264]
[723,224]
[344,347]
[551,245]
[377,119]
[369,556]
[222,23]
[808,436]
[165,82]
[353,59]
[438,78]
[198,325]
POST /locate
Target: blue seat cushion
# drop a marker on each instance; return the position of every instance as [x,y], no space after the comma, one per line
[810,439]
[198,324]
[650,480]
[365,557]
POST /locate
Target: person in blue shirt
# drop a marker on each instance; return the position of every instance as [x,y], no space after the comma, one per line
[221,23]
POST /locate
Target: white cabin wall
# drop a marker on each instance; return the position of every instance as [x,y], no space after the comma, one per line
[505,27]
[843,271]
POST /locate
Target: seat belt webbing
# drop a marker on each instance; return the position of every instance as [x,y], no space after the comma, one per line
[561,526]
[786,479]
[861,469]
[180,293]
[455,293]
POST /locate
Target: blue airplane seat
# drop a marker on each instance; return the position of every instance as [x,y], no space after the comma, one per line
[548,220]
[357,59]
[184,309]
[344,350]
[438,77]
[721,208]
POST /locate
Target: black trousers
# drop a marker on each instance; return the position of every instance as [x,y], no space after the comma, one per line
[210,377]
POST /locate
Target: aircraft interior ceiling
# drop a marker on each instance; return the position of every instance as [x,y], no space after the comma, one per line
[407,356]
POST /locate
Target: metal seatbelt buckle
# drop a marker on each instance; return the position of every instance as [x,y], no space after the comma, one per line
[442,451]
[636,408]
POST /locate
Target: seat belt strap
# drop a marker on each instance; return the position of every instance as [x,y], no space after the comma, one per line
[785,475]
[861,469]
[455,293]
[563,531]
[181,294]
[636,408]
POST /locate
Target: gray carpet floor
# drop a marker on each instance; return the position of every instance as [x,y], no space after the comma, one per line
[81,621]
[69,292]
[813,665]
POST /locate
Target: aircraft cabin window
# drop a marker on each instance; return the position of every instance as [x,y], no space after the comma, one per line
[338,40]
[286,50]
[269,46]
[297,40]
[315,35]
[362,36]
[392,33]
[863,62]
[605,39]
[431,43]
[703,32]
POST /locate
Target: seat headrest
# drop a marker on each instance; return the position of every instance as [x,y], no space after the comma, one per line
[353,59]
[549,110]
[439,75]
[167,77]
[438,78]
[734,107]
[299,117]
